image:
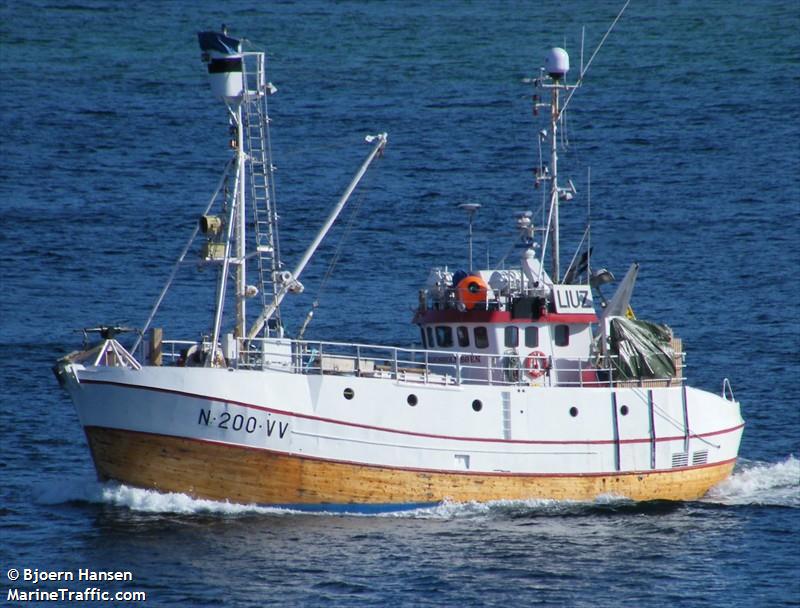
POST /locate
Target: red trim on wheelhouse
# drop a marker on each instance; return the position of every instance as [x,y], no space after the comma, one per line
[496,316]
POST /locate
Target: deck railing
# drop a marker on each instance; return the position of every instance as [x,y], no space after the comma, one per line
[413,365]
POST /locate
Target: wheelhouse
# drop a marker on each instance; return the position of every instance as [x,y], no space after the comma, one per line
[535,327]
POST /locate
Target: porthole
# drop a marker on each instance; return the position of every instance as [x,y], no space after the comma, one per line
[624,410]
[349,393]
[477,405]
[412,400]
[573,411]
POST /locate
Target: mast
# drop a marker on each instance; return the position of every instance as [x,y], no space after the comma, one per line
[470,208]
[224,59]
[238,78]
[241,253]
[555,257]
[556,67]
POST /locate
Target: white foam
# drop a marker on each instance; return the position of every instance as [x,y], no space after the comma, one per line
[150,501]
[89,490]
[143,501]
[544,506]
[760,483]
[753,483]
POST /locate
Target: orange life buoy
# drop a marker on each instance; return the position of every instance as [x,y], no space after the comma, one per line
[472,290]
[536,363]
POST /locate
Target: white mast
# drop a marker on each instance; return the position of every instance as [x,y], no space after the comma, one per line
[224,59]
[556,65]
[223,275]
[241,269]
[470,208]
[554,184]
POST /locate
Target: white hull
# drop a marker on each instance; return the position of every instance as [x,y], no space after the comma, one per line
[518,430]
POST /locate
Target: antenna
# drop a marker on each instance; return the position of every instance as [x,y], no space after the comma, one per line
[553,77]
[583,35]
[584,70]
[470,208]
[589,221]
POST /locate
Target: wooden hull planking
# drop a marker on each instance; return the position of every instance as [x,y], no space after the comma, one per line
[245,475]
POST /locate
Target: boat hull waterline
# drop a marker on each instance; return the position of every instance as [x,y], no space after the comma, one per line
[153,428]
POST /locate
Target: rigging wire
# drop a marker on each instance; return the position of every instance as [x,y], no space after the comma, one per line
[589,222]
[677,424]
[334,260]
[602,41]
[222,183]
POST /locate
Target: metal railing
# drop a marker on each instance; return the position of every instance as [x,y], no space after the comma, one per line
[412,365]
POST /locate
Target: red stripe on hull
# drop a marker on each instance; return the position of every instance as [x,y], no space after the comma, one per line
[403,432]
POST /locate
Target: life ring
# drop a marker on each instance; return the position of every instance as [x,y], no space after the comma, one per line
[472,290]
[536,364]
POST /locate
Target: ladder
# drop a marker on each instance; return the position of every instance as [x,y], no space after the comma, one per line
[262,190]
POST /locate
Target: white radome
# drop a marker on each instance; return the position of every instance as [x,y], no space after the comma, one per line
[557,62]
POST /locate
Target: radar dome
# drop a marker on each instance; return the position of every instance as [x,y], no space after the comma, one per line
[556,63]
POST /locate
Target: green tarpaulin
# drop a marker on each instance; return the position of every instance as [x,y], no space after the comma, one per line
[641,349]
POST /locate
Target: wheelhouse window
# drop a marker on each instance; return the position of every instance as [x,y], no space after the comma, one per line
[481,337]
[444,336]
[462,333]
[531,337]
[512,336]
[422,334]
[562,335]
[429,332]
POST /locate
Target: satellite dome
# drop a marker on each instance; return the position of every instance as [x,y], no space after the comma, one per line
[556,63]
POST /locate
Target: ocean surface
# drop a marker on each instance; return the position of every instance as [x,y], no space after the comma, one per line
[111,144]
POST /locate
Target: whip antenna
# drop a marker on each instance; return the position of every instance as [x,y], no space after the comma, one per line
[586,69]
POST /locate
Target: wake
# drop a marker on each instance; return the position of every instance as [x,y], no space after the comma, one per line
[760,483]
[752,483]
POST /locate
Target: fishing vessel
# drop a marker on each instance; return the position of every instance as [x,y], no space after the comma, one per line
[527,382]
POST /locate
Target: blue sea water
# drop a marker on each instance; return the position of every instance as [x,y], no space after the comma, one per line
[111,144]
